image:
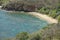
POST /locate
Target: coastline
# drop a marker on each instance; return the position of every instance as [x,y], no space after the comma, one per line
[47,18]
[50,20]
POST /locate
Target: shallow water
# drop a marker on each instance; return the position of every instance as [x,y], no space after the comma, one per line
[14,23]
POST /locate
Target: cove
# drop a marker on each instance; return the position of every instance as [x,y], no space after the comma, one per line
[14,23]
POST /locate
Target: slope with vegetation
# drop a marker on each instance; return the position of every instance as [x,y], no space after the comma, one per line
[36,4]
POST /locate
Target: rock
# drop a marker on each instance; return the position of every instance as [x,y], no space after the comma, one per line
[18,6]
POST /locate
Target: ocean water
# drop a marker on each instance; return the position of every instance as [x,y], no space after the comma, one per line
[14,23]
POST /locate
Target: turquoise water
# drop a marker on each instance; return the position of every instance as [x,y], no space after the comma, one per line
[14,23]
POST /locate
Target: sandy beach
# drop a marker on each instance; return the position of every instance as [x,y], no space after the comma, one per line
[50,20]
[0,7]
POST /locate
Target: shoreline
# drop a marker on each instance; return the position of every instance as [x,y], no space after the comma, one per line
[50,20]
[47,18]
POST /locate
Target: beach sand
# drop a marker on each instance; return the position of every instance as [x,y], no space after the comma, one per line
[50,20]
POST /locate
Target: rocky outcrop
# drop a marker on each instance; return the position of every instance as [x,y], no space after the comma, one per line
[19,6]
[29,8]
[30,5]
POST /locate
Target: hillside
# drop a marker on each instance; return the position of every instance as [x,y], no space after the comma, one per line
[26,4]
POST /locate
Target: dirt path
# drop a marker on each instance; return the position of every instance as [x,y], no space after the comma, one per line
[44,17]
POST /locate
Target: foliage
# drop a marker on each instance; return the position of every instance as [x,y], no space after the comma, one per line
[25,36]
[38,3]
[3,1]
[34,36]
[22,36]
[0,2]
[58,17]
[53,13]
[44,10]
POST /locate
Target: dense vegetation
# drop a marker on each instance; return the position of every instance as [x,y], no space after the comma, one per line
[48,7]
[19,5]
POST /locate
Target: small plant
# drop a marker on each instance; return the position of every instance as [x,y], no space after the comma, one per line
[44,10]
[52,13]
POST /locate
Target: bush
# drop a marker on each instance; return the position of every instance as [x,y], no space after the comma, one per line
[26,36]
[58,17]
[44,10]
[53,13]
[0,2]
[22,36]
[34,37]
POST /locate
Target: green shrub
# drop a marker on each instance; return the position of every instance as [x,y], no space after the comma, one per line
[34,37]
[58,17]
[44,10]
[22,36]
[52,13]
